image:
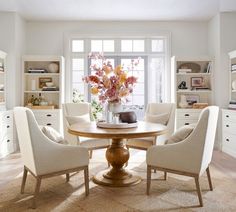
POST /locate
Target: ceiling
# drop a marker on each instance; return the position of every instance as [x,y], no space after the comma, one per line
[117,10]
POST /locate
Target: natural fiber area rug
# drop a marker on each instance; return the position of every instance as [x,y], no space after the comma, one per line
[176,194]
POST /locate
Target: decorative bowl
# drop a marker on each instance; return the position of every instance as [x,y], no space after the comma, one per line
[128,117]
[53,68]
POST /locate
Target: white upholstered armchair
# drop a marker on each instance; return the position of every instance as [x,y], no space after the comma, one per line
[191,156]
[44,158]
[80,113]
[162,113]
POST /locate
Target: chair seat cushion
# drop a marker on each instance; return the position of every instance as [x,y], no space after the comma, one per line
[53,135]
[78,119]
[160,118]
[180,134]
[93,143]
[140,143]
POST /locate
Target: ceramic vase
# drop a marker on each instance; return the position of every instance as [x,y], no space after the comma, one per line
[114,107]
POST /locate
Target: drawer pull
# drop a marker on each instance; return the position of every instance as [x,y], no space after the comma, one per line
[227,125]
[8,117]
[48,115]
[8,126]
[227,139]
[49,124]
[186,124]
[227,116]
[8,140]
[186,114]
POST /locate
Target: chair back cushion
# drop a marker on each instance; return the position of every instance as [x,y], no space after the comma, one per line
[180,134]
[78,119]
[71,110]
[163,108]
[53,135]
[161,118]
[77,109]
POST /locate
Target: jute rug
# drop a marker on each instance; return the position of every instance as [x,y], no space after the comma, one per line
[176,194]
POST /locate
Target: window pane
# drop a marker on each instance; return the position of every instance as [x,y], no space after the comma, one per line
[139,75]
[126,46]
[157,45]
[139,89]
[96,45]
[77,45]
[79,87]
[78,64]
[77,76]
[108,45]
[138,45]
[140,66]
[138,100]
[156,79]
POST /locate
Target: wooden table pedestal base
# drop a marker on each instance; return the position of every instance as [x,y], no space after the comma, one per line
[117,155]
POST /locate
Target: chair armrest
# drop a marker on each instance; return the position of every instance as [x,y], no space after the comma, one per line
[179,156]
[60,157]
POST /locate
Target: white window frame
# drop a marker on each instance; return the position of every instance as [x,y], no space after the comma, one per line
[117,52]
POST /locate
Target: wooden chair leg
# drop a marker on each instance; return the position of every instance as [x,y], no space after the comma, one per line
[86,181]
[36,191]
[67,177]
[155,171]
[199,191]
[209,178]
[90,154]
[149,172]
[24,180]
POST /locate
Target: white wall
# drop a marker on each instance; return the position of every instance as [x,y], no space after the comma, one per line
[222,40]
[214,52]
[12,41]
[188,38]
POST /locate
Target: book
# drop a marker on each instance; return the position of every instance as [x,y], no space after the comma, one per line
[185,70]
[202,88]
[232,106]
[49,88]
[36,71]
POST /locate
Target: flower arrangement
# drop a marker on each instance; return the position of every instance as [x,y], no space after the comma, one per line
[112,85]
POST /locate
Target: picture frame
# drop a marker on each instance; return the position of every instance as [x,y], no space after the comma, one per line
[43,80]
[191,99]
[196,82]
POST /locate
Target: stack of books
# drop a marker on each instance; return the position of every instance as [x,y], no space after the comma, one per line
[1,67]
[233,67]
[53,88]
[232,104]
[36,71]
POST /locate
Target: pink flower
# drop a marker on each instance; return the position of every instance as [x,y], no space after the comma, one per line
[110,84]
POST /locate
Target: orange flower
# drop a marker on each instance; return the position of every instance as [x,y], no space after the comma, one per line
[123,77]
[123,92]
[107,69]
[106,82]
[94,90]
[118,70]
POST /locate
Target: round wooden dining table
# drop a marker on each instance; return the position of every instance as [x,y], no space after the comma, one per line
[116,154]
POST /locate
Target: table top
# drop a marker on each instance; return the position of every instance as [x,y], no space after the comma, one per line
[144,129]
